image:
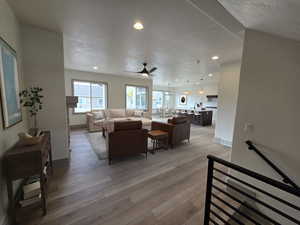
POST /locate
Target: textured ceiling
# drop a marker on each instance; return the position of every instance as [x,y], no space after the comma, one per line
[279,17]
[177,33]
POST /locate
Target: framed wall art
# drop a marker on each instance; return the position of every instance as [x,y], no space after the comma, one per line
[9,85]
[182,100]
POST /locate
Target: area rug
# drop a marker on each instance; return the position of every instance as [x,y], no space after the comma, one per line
[98,144]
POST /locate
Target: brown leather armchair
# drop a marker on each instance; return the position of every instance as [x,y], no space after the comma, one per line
[127,139]
[178,128]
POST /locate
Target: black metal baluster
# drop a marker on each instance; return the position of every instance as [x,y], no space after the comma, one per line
[210,171]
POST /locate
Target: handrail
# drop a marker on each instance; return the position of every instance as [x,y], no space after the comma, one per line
[257,176]
[285,178]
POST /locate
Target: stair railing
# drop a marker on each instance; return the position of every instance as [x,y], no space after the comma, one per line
[219,191]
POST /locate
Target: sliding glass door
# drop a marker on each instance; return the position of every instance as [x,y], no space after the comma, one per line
[162,100]
[157,99]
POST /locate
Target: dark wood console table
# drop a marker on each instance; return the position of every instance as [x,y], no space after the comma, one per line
[21,162]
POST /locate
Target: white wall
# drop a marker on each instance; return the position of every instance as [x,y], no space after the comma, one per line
[227,101]
[269,100]
[10,32]
[162,88]
[44,67]
[116,89]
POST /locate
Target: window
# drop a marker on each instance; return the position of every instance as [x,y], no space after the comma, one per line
[157,99]
[91,96]
[168,100]
[136,97]
[162,99]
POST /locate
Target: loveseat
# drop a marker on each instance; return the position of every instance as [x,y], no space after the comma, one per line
[99,118]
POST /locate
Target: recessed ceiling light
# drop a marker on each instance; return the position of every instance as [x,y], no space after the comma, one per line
[138,26]
[210,75]
[201,92]
[215,57]
[95,67]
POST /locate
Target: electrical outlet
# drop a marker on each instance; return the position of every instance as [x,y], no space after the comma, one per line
[248,127]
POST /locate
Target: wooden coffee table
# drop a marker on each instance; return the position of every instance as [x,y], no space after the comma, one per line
[158,137]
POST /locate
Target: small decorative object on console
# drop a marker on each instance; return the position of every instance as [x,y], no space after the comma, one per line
[31,193]
[26,139]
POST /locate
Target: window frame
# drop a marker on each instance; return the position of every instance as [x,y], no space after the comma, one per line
[169,93]
[91,82]
[138,86]
[163,95]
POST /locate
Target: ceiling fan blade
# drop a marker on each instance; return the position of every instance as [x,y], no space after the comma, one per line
[153,69]
[137,73]
[126,71]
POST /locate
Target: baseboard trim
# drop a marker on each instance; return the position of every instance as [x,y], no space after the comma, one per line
[78,126]
[223,142]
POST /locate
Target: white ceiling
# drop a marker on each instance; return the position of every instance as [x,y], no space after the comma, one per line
[177,33]
[279,17]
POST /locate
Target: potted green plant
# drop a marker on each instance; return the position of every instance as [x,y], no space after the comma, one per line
[31,98]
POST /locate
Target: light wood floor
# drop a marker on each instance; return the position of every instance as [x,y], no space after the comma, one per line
[166,189]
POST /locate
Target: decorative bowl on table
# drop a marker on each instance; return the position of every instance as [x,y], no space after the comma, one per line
[28,140]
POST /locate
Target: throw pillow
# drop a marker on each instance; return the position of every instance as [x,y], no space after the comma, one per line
[138,113]
[98,115]
[130,112]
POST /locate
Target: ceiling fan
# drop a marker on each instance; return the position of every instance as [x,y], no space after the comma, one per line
[145,72]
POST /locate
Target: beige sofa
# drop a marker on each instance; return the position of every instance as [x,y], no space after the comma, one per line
[99,118]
